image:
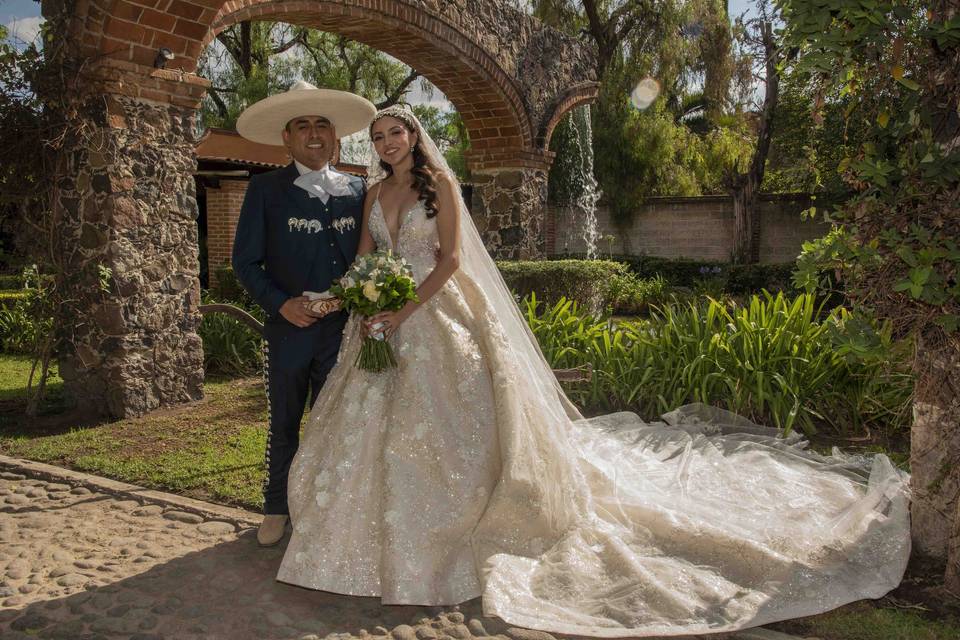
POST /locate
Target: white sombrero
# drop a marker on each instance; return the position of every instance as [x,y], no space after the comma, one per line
[264,121]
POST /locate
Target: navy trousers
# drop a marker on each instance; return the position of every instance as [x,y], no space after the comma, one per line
[297,364]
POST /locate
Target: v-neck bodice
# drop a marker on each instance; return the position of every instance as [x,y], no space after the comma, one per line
[416,239]
[391,242]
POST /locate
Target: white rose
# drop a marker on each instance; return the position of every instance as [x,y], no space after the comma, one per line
[370,291]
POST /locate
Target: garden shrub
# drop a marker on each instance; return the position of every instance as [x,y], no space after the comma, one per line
[229,346]
[628,295]
[20,329]
[9,281]
[226,288]
[773,360]
[597,286]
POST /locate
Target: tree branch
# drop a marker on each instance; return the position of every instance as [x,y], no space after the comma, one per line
[230,42]
[218,101]
[399,90]
[298,38]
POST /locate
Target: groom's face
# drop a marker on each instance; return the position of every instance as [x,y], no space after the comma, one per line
[311,140]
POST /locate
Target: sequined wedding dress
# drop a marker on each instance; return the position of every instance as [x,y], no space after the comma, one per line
[466,472]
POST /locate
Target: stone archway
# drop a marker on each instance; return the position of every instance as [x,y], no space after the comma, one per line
[130,201]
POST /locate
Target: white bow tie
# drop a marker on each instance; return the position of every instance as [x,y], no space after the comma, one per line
[324,183]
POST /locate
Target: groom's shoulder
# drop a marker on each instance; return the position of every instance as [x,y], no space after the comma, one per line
[269,180]
[272,176]
[357,183]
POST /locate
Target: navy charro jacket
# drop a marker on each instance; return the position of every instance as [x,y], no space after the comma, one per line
[287,242]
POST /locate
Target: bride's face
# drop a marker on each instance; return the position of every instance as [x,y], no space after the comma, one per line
[392,140]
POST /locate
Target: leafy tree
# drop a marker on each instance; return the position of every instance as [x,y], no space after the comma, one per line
[252,60]
[246,63]
[336,62]
[448,131]
[893,63]
[647,153]
[651,149]
[43,89]
[761,48]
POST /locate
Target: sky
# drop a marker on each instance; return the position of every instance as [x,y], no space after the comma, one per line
[22,19]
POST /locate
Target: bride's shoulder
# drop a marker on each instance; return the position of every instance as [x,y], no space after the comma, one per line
[445,185]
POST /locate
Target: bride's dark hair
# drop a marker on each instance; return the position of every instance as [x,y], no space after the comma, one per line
[422,172]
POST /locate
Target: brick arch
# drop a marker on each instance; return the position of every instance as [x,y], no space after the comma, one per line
[487,97]
[577,96]
[129,202]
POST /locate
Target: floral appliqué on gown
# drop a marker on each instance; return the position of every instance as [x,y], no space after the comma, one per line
[454,476]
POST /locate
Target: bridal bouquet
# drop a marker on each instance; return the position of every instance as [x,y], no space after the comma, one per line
[378,281]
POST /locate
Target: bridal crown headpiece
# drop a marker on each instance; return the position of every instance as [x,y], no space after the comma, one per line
[399,111]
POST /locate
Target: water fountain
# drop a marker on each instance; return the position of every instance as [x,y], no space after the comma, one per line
[583,189]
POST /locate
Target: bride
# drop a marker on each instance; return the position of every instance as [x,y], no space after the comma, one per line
[465,471]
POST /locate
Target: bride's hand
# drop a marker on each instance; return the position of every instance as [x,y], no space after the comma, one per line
[388,321]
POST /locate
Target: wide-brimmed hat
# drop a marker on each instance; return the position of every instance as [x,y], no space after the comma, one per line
[264,121]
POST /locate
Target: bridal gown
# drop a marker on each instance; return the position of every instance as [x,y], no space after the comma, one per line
[457,475]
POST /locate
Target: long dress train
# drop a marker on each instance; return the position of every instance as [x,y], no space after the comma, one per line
[460,474]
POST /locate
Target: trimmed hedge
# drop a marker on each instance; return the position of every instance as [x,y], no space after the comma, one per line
[597,286]
[10,297]
[737,279]
[586,281]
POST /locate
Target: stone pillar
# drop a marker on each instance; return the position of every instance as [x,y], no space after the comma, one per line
[129,237]
[509,203]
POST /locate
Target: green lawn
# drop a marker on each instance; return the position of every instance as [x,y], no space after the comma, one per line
[214,450]
[14,373]
[865,621]
[211,449]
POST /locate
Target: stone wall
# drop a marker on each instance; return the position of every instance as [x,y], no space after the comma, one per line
[129,222]
[699,228]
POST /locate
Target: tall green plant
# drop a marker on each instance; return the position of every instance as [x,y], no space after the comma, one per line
[230,347]
[773,360]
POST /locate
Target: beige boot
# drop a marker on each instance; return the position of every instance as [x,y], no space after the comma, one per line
[271,530]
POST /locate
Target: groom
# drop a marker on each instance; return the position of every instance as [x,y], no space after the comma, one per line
[298,232]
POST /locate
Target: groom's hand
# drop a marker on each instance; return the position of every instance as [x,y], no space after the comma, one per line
[295,311]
